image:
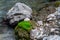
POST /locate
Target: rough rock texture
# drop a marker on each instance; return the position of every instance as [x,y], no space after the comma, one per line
[52,37]
[43,13]
[21,34]
[18,12]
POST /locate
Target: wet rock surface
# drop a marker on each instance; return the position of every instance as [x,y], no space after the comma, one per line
[6,33]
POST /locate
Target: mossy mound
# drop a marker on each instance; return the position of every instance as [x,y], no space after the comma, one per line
[22,30]
[21,34]
[25,25]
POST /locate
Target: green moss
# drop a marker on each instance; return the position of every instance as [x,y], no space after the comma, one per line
[26,25]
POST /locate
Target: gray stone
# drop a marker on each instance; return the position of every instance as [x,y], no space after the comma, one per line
[18,12]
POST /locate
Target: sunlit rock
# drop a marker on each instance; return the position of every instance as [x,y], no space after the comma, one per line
[26,19]
[18,12]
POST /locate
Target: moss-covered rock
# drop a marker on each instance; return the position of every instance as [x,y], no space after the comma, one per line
[21,34]
[25,25]
[22,30]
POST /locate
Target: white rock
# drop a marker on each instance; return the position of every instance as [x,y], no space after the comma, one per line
[52,29]
[23,10]
[26,19]
[19,8]
[51,17]
[34,33]
[39,22]
[37,33]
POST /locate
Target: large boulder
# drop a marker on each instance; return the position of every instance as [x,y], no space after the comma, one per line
[18,12]
[22,30]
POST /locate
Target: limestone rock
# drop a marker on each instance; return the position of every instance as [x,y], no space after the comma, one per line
[18,12]
[37,33]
